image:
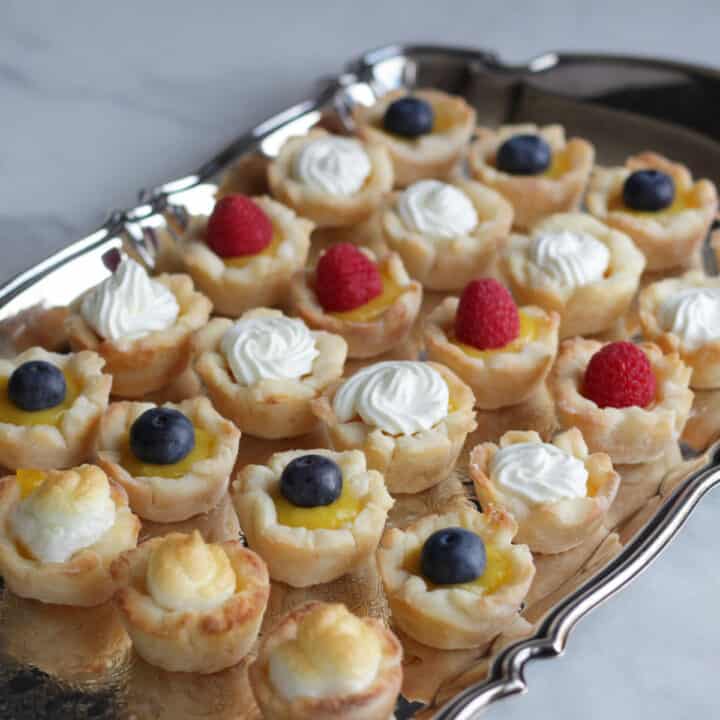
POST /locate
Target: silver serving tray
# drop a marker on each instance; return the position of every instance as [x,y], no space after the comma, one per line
[623,104]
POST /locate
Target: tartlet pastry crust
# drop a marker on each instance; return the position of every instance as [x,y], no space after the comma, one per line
[149,363]
[302,556]
[668,240]
[429,156]
[453,618]
[550,527]
[533,196]
[503,377]
[376,702]
[323,209]
[450,263]
[265,279]
[85,578]
[628,435]
[269,409]
[409,463]
[204,641]
[170,499]
[587,309]
[372,337]
[69,443]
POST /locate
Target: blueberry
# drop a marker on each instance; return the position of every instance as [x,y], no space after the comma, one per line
[311,481]
[162,436]
[36,385]
[453,555]
[524,155]
[648,190]
[409,116]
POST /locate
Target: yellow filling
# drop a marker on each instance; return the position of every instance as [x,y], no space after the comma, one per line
[28,479]
[338,514]
[682,201]
[498,572]
[529,331]
[9,413]
[559,165]
[391,291]
[270,250]
[204,446]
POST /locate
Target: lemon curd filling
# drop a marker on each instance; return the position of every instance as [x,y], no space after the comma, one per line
[28,479]
[334,516]
[559,165]
[529,331]
[498,572]
[10,413]
[204,446]
[242,260]
[682,201]
[391,291]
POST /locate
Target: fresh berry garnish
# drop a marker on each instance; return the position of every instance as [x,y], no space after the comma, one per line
[619,376]
[36,385]
[238,226]
[487,316]
[162,436]
[346,278]
[409,116]
[524,155]
[453,555]
[648,190]
[311,481]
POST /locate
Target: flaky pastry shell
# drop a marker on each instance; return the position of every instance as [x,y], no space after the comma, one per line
[429,156]
[192,641]
[302,556]
[372,337]
[503,377]
[323,209]
[269,409]
[376,702]
[534,196]
[163,499]
[549,527]
[149,363]
[452,618]
[586,309]
[628,435]
[409,463]
[450,263]
[70,442]
[265,279]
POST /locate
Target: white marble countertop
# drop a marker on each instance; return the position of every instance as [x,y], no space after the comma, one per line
[100,99]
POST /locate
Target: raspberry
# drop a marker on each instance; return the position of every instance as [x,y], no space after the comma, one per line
[346,278]
[619,375]
[487,316]
[238,226]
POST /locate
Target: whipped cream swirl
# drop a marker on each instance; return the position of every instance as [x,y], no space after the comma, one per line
[129,304]
[269,348]
[693,314]
[568,259]
[398,397]
[538,473]
[437,209]
[333,165]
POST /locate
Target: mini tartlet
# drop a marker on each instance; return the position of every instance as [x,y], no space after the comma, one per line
[332,180]
[268,407]
[372,328]
[557,189]
[573,264]
[176,491]
[318,544]
[236,284]
[668,238]
[446,232]
[70,567]
[191,606]
[427,412]
[56,437]
[453,617]
[558,493]
[320,662]
[430,155]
